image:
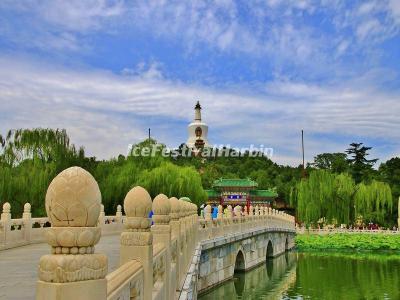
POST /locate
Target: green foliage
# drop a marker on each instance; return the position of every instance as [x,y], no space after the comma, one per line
[324,194]
[172,180]
[335,162]
[373,201]
[360,166]
[336,197]
[389,172]
[29,159]
[354,241]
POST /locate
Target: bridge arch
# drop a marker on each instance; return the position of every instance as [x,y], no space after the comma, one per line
[270,250]
[240,261]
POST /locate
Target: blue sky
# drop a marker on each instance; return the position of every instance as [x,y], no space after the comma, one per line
[108,70]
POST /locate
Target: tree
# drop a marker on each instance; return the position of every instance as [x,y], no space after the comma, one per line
[174,181]
[360,166]
[335,162]
[389,172]
[336,197]
[29,160]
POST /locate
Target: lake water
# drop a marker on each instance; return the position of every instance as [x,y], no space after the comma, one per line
[308,275]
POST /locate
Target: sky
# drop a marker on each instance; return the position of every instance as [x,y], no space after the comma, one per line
[106,71]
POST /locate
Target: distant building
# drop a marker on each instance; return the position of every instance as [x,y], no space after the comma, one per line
[198,131]
[239,192]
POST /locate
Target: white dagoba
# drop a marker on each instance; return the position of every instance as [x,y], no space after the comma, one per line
[197,130]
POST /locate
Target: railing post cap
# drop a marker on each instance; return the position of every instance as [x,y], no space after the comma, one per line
[27,207]
[137,203]
[161,205]
[73,199]
[6,207]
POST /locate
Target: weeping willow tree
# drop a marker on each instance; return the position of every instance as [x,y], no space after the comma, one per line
[173,180]
[29,160]
[373,201]
[338,199]
[45,145]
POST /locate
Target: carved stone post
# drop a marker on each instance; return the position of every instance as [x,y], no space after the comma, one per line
[207,212]
[192,211]
[137,240]
[265,218]
[220,212]
[246,211]
[183,244]
[102,216]
[236,218]
[162,234]
[230,219]
[6,214]
[118,214]
[73,270]
[219,220]
[5,223]
[208,219]
[27,219]
[175,233]
[256,216]
[251,216]
[195,224]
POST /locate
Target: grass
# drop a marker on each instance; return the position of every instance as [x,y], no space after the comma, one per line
[350,241]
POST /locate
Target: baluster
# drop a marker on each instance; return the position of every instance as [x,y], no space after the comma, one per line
[64,274]
[137,239]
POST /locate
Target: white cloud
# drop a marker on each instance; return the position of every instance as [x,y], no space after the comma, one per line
[295,34]
[368,28]
[105,112]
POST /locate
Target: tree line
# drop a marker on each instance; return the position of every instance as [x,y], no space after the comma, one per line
[345,188]
[347,183]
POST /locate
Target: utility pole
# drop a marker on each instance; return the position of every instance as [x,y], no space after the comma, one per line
[149,135]
[302,148]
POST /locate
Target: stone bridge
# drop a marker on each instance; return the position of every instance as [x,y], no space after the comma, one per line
[175,255]
[277,276]
[222,256]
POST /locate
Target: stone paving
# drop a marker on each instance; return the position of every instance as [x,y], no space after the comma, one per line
[18,266]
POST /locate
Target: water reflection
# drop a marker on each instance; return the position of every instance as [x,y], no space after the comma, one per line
[271,279]
[317,276]
[346,276]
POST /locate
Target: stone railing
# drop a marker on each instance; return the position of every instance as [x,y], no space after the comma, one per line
[234,221]
[28,230]
[157,261]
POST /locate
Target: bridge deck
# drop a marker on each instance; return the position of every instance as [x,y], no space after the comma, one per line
[18,266]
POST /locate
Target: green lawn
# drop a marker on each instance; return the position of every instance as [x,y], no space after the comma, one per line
[348,241]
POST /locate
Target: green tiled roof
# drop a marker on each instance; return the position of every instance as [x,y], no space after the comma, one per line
[264,193]
[212,193]
[235,183]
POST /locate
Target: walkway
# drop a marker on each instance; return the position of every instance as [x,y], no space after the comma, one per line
[18,266]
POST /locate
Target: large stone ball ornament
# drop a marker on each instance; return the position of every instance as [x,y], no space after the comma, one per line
[73,204]
[73,199]
[175,208]
[137,206]
[161,209]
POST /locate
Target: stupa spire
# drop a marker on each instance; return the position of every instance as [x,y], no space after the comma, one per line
[197,112]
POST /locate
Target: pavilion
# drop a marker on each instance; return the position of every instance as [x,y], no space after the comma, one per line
[239,192]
